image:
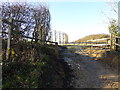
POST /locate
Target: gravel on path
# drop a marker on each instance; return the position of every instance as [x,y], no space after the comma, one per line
[90,73]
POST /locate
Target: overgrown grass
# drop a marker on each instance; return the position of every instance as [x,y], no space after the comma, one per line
[26,71]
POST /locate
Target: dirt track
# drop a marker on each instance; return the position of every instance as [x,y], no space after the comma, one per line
[90,73]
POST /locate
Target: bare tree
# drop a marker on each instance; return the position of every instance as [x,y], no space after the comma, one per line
[37,20]
[18,12]
[41,16]
[113,17]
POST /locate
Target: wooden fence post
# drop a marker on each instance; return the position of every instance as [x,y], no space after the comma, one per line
[116,48]
[111,44]
[11,25]
[8,42]
[91,48]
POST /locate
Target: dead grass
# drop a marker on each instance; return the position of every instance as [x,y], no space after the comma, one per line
[94,53]
[93,36]
[112,58]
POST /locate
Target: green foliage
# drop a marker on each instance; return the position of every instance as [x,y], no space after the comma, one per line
[16,74]
[25,73]
[113,27]
[28,74]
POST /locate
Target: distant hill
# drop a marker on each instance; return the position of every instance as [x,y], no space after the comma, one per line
[93,37]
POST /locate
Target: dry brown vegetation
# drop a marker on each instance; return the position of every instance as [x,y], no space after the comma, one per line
[112,58]
[93,36]
[95,53]
[33,66]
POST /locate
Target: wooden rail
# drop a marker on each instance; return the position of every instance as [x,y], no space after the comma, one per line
[116,43]
[98,39]
[91,48]
[30,38]
[87,44]
[50,42]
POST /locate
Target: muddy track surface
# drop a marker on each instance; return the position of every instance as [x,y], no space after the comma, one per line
[90,73]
